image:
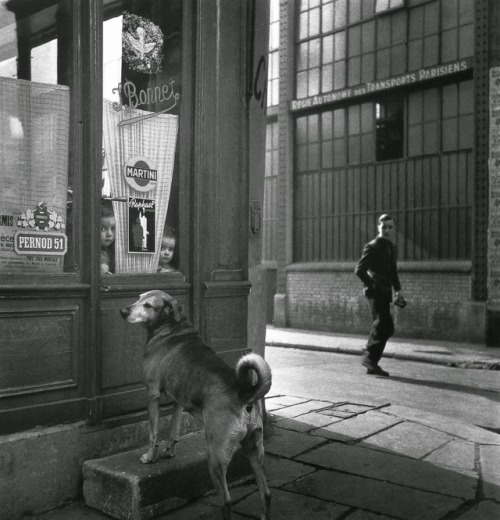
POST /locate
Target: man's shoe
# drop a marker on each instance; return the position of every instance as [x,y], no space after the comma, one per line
[377,371]
[370,365]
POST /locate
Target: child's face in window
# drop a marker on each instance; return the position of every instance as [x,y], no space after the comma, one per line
[107,231]
[167,250]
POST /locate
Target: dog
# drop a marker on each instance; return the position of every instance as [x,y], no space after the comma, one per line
[229,401]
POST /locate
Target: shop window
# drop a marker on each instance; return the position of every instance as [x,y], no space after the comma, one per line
[35,85]
[389,116]
[141,108]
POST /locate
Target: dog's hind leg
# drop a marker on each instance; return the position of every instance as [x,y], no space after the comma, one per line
[253,446]
[173,432]
[218,469]
[220,450]
[154,418]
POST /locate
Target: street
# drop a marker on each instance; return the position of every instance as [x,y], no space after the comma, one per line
[468,395]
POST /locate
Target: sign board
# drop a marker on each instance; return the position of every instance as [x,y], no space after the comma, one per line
[39,243]
[371,87]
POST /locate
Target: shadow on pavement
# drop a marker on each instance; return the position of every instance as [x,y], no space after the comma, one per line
[443,385]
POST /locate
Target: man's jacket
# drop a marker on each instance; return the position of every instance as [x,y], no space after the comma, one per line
[377,268]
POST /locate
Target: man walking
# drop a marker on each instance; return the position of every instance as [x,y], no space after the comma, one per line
[377,269]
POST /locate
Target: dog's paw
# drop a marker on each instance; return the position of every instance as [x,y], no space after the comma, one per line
[149,458]
[169,451]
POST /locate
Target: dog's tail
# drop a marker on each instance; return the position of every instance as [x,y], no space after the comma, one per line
[254,377]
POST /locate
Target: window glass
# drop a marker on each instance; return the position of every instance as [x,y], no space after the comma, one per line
[36,195]
[274,42]
[141,106]
[389,134]
[270,218]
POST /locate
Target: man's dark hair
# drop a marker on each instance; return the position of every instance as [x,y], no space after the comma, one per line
[385,217]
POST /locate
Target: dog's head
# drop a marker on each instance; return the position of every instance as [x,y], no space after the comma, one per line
[152,309]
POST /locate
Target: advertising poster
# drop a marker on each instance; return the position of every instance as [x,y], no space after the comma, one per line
[142,225]
[34,176]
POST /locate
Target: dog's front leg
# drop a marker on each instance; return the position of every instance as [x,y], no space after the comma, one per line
[154,417]
[173,432]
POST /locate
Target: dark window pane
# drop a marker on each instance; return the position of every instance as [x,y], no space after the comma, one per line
[389,129]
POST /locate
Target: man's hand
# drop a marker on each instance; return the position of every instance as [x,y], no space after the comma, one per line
[399,300]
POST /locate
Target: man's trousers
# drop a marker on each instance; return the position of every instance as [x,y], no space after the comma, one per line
[382,327]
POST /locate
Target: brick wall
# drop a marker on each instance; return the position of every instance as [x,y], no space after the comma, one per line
[330,298]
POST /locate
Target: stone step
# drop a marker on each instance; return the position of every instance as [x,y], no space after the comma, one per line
[124,488]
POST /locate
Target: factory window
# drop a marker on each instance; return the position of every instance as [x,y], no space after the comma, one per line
[410,155]
[385,5]
[423,44]
[274,43]
[389,116]
[270,219]
[423,122]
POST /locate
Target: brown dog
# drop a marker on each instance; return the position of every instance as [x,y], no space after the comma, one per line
[228,401]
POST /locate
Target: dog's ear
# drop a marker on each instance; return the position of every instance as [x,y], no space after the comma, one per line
[173,307]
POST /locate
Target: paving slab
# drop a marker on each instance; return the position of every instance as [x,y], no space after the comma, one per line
[486,510]
[346,410]
[293,507]
[456,454]
[387,467]
[308,422]
[360,514]
[198,511]
[271,407]
[490,467]
[285,400]
[410,439]
[73,511]
[289,444]
[445,424]
[280,472]
[375,496]
[352,408]
[357,427]
[238,492]
[301,409]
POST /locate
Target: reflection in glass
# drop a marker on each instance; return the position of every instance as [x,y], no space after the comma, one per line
[141,106]
[34,138]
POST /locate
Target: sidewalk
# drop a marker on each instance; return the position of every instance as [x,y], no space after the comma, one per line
[361,461]
[352,461]
[463,355]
